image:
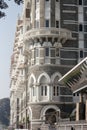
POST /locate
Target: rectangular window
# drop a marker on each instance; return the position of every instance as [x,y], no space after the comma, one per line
[41,90]
[57,24]
[47,23]
[54,90]
[52,53]
[57,0]
[27,13]
[80,27]
[45,90]
[47,0]
[57,91]
[81,54]
[46,51]
[80,2]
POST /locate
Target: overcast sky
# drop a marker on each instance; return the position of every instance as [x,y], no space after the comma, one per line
[7,35]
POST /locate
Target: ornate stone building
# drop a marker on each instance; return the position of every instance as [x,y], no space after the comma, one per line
[50,39]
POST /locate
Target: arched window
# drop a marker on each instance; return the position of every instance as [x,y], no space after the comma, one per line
[43,87]
[43,90]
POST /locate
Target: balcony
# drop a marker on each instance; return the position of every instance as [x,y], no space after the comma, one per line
[48,32]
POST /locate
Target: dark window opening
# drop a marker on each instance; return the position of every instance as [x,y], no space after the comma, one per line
[57,91]
[47,51]
[80,27]
[81,54]
[57,24]
[27,13]
[41,90]
[47,23]
[80,2]
[45,90]
[54,90]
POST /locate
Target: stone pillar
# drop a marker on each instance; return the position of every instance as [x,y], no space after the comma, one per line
[81,97]
[33,13]
[42,13]
[77,111]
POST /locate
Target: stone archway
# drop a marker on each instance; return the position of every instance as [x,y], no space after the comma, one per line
[51,114]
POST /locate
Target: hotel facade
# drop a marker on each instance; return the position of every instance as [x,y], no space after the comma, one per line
[50,39]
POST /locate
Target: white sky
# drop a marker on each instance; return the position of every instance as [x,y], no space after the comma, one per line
[7,35]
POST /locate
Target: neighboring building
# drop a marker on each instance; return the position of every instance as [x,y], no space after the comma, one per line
[76,79]
[50,39]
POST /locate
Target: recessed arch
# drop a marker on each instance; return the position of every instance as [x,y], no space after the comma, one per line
[45,75]
[57,74]
[32,79]
[29,111]
[47,108]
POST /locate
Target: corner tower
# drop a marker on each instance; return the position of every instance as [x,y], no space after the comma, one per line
[37,95]
[43,40]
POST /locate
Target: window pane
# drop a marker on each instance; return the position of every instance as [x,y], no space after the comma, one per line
[47,23]
[80,27]
[45,90]
[54,90]
[27,13]
[57,24]
[41,90]
[57,91]
[47,51]
[80,2]
[52,53]
[81,54]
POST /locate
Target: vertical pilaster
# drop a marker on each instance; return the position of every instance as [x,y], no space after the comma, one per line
[52,13]
[42,13]
[77,111]
[33,13]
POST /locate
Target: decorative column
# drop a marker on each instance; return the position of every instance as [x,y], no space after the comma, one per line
[77,111]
